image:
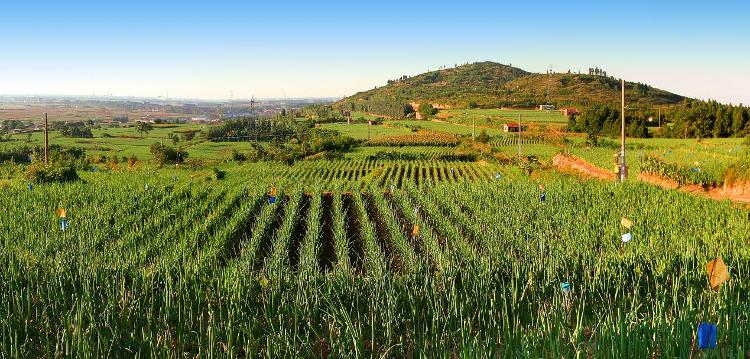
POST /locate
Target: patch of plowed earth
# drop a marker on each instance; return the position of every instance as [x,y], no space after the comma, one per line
[356,251]
[327,251]
[382,234]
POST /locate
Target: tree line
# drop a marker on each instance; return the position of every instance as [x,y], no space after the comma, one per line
[694,119]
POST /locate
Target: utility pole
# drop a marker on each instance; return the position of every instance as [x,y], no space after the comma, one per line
[659,117]
[369,124]
[519,137]
[473,123]
[46,141]
[623,166]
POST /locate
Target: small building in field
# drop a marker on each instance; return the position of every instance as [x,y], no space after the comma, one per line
[547,107]
[512,127]
[374,122]
[568,111]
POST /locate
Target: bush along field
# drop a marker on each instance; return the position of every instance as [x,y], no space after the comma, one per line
[477,261]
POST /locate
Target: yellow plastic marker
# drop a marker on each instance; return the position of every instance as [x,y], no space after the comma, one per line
[62,213]
[626,223]
[415,231]
[273,191]
[541,187]
[717,273]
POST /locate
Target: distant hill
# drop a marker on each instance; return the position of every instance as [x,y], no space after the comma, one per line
[492,85]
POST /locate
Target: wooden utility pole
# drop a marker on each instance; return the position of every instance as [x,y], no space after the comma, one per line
[473,123]
[519,137]
[46,141]
[659,117]
[623,166]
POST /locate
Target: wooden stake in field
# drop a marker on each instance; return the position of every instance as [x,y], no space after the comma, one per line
[46,141]
[519,138]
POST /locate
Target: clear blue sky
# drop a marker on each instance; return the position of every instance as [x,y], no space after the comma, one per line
[212,49]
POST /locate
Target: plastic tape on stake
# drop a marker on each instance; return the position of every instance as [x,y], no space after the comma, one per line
[717,273]
[61,212]
[707,334]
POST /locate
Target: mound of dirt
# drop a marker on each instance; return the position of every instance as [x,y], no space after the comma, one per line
[573,163]
[737,191]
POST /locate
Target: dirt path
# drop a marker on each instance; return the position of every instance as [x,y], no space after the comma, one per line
[738,192]
[579,166]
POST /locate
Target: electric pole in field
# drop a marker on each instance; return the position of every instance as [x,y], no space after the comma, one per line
[623,166]
[473,124]
[519,137]
[659,117]
[46,141]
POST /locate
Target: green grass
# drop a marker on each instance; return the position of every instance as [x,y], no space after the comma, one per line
[498,117]
[445,127]
[362,131]
[128,142]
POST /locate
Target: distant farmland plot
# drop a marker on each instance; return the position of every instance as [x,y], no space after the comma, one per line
[360,130]
[498,117]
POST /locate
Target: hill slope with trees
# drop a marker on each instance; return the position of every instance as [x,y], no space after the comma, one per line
[493,85]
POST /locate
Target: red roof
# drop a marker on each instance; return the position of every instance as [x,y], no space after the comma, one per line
[511,124]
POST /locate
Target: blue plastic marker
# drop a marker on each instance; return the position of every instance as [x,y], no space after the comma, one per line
[271,200]
[63,224]
[31,187]
[707,336]
[565,287]
[542,197]
[498,176]
[696,169]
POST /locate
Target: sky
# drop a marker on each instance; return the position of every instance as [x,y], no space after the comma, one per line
[273,49]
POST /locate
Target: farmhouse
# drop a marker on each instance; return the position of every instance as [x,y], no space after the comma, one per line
[547,107]
[512,127]
[567,111]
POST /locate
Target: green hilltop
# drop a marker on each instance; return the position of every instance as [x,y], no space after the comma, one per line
[493,85]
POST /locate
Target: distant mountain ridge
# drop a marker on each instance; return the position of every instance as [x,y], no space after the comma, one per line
[489,84]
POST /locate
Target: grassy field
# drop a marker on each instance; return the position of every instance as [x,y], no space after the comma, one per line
[362,131]
[502,116]
[126,141]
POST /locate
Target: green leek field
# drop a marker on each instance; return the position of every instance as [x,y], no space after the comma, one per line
[167,265]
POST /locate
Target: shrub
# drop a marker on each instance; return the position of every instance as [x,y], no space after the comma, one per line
[238,156]
[54,173]
[164,154]
[483,137]
[219,174]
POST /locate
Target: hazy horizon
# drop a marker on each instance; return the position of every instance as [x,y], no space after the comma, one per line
[232,50]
